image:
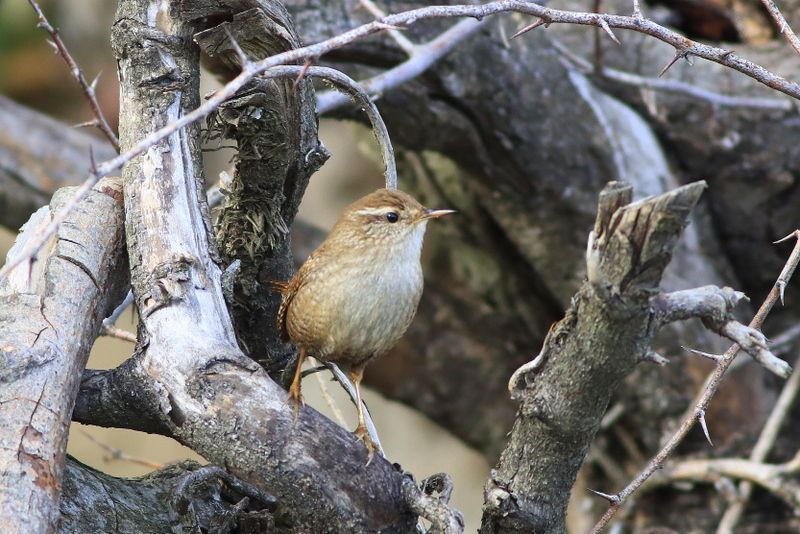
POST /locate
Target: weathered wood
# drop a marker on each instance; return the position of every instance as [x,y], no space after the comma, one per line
[565,391]
[274,125]
[210,395]
[51,313]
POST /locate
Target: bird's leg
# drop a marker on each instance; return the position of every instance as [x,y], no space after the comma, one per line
[294,390]
[356,373]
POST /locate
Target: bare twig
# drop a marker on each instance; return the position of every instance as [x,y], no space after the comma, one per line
[779,19]
[110,330]
[637,11]
[117,454]
[87,88]
[421,57]
[597,45]
[348,386]
[684,47]
[762,447]
[773,477]
[709,389]
[351,88]
[401,40]
[785,340]
[328,399]
[674,86]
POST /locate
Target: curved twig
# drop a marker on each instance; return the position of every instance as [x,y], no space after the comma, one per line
[779,19]
[348,386]
[421,57]
[350,87]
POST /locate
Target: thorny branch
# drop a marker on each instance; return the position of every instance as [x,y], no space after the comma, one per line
[685,48]
[770,431]
[709,389]
[87,88]
[674,86]
[420,58]
[779,19]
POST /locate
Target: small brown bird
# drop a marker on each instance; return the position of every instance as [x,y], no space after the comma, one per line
[355,296]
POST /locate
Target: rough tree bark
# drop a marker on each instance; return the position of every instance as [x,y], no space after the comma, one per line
[208,394]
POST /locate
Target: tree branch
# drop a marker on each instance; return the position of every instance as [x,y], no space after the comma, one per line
[697,412]
[87,88]
[52,312]
[685,48]
[207,392]
[604,334]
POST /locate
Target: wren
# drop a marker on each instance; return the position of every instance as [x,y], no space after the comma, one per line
[354,297]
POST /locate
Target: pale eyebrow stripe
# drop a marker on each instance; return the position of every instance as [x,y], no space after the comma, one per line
[375,211]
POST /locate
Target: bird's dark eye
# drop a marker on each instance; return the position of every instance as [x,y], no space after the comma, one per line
[392,217]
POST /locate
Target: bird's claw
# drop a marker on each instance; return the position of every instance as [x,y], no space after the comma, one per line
[296,398]
[361,433]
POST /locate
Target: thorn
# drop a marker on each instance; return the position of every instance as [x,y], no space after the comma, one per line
[51,43]
[84,124]
[781,288]
[795,234]
[715,357]
[655,358]
[93,85]
[702,418]
[527,28]
[613,499]
[688,58]
[672,61]
[607,28]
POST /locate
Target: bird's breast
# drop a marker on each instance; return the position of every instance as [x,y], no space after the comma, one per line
[358,310]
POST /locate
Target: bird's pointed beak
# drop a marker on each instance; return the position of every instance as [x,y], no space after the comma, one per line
[432,214]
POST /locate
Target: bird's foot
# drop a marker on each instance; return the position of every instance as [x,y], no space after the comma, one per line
[296,398]
[361,433]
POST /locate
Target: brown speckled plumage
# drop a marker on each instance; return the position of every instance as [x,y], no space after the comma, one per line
[355,296]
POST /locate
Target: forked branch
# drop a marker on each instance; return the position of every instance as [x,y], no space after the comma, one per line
[709,390]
